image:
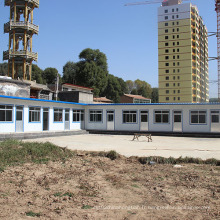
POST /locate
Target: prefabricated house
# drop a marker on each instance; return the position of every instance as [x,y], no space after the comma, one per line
[34,115]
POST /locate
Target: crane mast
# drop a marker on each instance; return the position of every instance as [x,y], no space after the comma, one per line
[217,9]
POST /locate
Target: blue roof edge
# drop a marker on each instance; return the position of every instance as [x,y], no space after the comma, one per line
[105,104]
[40,100]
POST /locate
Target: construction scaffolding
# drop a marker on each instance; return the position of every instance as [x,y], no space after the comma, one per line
[217,9]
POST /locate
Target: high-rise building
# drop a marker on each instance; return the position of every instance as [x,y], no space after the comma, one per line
[21,30]
[182,53]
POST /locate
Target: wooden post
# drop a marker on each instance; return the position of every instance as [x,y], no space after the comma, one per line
[31,42]
[8,68]
[25,13]
[24,69]
[14,41]
[30,70]
[15,13]
[32,15]
[16,72]
[13,68]
[25,40]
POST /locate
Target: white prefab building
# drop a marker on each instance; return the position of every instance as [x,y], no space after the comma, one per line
[34,115]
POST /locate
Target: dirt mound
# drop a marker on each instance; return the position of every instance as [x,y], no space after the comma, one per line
[95,187]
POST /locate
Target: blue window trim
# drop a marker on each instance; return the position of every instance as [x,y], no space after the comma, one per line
[62,115]
[48,118]
[196,124]
[34,122]
[77,109]
[148,118]
[99,122]
[22,115]
[131,123]
[161,123]
[107,117]
[13,112]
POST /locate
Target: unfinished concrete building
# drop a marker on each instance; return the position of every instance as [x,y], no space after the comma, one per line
[21,30]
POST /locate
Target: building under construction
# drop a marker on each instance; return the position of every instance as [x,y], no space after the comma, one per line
[217,8]
[21,30]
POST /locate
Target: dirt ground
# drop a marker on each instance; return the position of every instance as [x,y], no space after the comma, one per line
[88,187]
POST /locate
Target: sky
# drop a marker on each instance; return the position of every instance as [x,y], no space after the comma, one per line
[126,34]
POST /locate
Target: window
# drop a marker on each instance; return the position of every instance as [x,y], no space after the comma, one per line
[144,116]
[166,17]
[167,98]
[215,116]
[174,57]
[167,71]
[173,36]
[95,115]
[198,117]
[129,116]
[167,77]
[174,64]
[174,50]
[177,16]
[178,91]
[166,37]
[166,51]
[167,84]
[6,113]
[172,16]
[177,37]
[173,43]
[177,29]
[177,116]
[78,115]
[174,78]
[58,115]
[110,115]
[174,70]
[166,44]
[177,43]
[161,116]
[166,30]
[166,24]
[173,10]
[173,23]
[34,114]
[166,11]
[178,63]
[177,9]
[167,57]
[166,64]
[174,84]
[178,50]
[174,98]
[178,56]
[178,84]
[177,23]
[167,91]
[178,98]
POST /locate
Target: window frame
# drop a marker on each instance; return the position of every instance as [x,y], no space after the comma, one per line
[134,112]
[34,111]
[193,112]
[162,112]
[95,115]
[12,113]
[58,115]
[79,114]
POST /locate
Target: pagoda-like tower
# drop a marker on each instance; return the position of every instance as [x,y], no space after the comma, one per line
[21,30]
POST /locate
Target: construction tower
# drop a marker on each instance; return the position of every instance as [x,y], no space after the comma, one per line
[217,8]
[21,30]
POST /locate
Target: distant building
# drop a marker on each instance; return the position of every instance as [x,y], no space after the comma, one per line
[102,100]
[182,54]
[73,93]
[129,98]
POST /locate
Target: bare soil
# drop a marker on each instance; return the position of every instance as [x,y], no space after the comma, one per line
[88,187]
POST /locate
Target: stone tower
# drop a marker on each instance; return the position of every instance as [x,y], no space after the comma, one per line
[21,30]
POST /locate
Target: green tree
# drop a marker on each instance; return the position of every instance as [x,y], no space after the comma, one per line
[143,88]
[69,72]
[3,69]
[124,87]
[154,95]
[50,74]
[37,74]
[130,85]
[92,70]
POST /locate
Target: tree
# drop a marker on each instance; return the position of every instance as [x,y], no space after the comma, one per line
[124,87]
[92,70]
[50,74]
[69,72]
[130,85]
[154,95]
[143,88]
[3,69]
[37,74]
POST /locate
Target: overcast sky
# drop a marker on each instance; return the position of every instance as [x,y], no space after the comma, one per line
[127,35]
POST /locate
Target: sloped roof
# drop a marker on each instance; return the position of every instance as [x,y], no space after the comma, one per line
[76,86]
[101,99]
[136,96]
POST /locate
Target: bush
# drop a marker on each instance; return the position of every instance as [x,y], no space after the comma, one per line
[112,155]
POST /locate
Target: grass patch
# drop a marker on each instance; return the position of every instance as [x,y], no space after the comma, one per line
[33,214]
[59,194]
[86,207]
[171,160]
[13,152]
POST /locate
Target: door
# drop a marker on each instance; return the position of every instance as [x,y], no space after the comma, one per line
[110,120]
[67,119]
[177,121]
[215,123]
[143,120]
[19,119]
[82,120]
[45,119]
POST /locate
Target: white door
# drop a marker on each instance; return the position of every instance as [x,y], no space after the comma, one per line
[67,119]
[110,120]
[143,120]
[19,119]
[45,119]
[215,123]
[82,119]
[177,121]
